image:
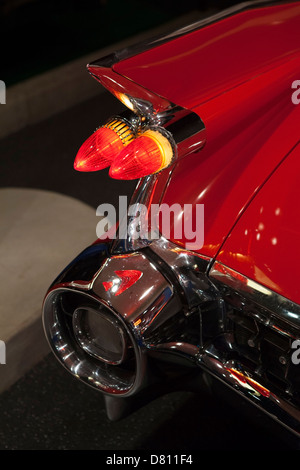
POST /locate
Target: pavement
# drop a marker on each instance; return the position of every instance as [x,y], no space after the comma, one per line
[47,209]
[35,233]
[48,409]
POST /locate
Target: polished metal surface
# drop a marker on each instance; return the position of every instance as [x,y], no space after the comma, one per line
[176,310]
[142,196]
[183,128]
[235,374]
[261,295]
[253,353]
[189,268]
[186,127]
[151,289]
[98,374]
[138,314]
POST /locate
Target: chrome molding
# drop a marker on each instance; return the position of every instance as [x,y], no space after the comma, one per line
[236,376]
[269,382]
[276,304]
[189,269]
[172,291]
[187,129]
[177,292]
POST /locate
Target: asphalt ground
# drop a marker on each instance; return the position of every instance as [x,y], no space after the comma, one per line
[49,409]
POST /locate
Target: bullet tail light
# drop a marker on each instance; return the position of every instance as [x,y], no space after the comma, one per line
[99,150]
[149,153]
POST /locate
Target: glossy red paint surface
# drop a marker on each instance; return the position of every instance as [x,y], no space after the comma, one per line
[203,64]
[240,85]
[249,131]
[240,72]
[264,245]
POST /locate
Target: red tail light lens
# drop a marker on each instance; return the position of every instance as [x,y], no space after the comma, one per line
[149,153]
[98,151]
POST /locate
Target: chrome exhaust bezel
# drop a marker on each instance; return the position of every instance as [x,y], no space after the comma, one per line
[77,361]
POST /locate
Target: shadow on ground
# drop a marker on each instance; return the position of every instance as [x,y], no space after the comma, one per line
[49,409]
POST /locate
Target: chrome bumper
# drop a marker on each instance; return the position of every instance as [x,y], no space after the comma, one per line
[169,321]
[151,317]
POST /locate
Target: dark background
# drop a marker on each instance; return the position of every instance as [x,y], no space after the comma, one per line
[37,35]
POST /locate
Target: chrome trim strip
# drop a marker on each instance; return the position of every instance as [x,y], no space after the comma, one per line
[262,296]
[189,268]
[276,407]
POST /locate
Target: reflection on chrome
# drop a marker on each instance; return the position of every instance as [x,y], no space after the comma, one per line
[58,328]
[275,303]
[183,310]
[236,375]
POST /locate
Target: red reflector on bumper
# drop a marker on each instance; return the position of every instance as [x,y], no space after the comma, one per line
[125,279]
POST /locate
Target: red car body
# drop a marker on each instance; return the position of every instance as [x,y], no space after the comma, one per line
[236,75]
[238,72]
